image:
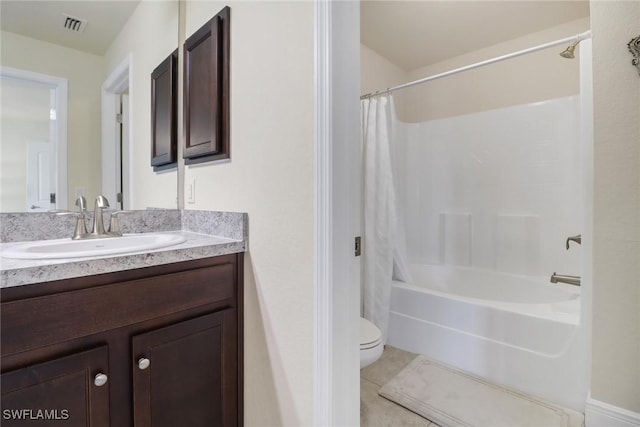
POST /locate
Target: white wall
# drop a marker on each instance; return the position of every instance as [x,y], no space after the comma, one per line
[150,35]
[534,77]
[85,73]
[616,283]
[270,176]
[378,73]
[498,189]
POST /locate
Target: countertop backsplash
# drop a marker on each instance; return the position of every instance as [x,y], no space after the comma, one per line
[207,234]
[23,227]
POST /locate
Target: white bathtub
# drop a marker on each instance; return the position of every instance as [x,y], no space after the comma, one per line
[518,331]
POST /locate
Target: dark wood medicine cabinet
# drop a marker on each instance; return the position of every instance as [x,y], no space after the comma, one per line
[164,114]
[206,91]
[206,98]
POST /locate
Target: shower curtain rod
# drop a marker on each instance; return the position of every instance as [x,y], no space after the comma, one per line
[573,39]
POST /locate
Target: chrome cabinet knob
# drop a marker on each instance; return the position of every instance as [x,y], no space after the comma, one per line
[143,363]
[100,379]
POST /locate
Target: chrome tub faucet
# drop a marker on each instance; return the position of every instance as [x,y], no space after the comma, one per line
[562,278]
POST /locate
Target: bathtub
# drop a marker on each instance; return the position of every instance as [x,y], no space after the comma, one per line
[518,331]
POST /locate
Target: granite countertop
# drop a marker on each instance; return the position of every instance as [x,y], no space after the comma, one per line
[208,234]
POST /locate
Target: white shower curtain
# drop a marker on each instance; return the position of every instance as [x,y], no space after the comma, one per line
[382,240]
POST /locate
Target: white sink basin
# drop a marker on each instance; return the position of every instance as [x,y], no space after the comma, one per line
[67,248]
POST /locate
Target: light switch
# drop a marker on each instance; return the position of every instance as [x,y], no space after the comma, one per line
[191,191]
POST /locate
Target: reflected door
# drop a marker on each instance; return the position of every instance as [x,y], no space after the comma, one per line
[40,177]
[33,141]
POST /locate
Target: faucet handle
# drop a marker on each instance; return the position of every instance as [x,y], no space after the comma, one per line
[81,226]
[576,238]
[114,224]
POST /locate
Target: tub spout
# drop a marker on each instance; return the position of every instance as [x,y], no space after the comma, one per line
[561,278]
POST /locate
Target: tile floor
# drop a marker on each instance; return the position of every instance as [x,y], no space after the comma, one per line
[375,410]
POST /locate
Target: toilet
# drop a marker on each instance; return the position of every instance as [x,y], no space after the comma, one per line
[370,343]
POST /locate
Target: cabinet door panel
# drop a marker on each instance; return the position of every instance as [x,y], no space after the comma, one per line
[206,94]
[202,107]
[192,374]
[164,128]
[58,392]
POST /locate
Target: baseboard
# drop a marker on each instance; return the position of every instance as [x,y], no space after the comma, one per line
[601,414]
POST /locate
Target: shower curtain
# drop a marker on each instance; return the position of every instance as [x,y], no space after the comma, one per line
[383,239]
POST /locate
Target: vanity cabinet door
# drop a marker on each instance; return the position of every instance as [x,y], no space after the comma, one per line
[70,391]
[186,374]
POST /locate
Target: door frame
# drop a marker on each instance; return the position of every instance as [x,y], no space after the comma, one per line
[59,131]
[119,81]
[337,213]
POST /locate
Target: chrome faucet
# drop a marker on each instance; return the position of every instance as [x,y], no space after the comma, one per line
[561,278]
[97,231]
[98,222]
[577,239]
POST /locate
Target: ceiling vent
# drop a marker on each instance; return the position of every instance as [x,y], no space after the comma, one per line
[74,24]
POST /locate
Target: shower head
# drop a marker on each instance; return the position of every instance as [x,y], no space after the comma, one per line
[568,52]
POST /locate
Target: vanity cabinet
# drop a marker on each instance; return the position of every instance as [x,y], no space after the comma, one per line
[157,346]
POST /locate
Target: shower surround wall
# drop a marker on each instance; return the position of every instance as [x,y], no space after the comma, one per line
[499,189]
[489,200]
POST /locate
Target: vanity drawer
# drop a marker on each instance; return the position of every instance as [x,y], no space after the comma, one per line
[82,312]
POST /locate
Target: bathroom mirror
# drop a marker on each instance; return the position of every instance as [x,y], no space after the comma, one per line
[103,51]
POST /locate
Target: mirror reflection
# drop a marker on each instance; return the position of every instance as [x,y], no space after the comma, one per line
[75,96]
